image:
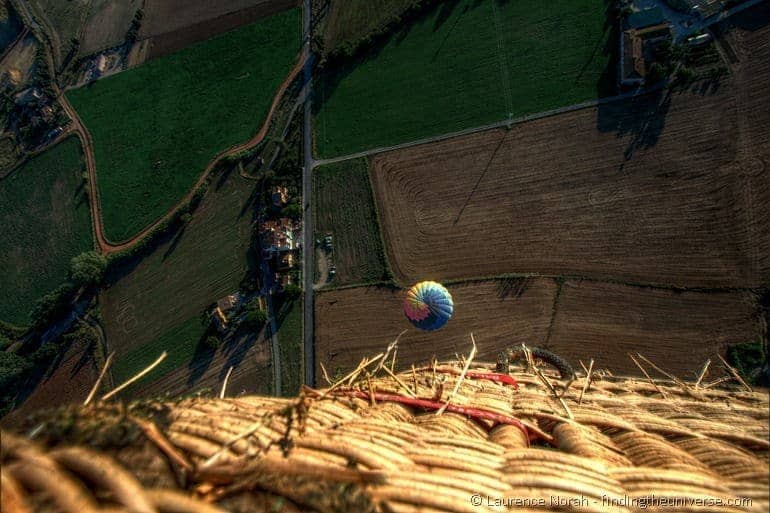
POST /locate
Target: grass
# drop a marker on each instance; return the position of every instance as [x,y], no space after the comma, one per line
[289,320]
[180,342]
[8,155]
[464,64]
[185,273]
[156,127]
[45,222]
[344,207]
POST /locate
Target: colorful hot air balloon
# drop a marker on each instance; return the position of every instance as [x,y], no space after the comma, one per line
[428,305]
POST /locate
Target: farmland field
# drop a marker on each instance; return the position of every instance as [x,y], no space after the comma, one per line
[344,208]
[173,25]
[464,64]
[349,20]
[8,155]
[179,341]
[45,219]
[184,275]
[357,322]
[622,192]
[107,24]
[289,321]
[678,331]
[156,127]
[67,382]
[64,18]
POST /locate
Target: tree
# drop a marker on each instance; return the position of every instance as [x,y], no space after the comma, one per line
[88,269]
[254,319]
[52,305]
[292,292]
[12,367]
[212,342]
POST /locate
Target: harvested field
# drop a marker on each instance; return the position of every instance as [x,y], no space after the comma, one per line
[185,274]
[358,322]
[344,208]
[641,191]
[107,24]
[68,382]
[463,64]
[45,222]
[156,127]
[678,331]
[177,24]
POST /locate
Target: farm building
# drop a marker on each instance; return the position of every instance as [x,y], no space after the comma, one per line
[703,8]
[643,32]
[380,443]
[281,235]
[279,196]
[224,307]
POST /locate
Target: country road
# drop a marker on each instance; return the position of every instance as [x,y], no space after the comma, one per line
[308,321]
[107,247]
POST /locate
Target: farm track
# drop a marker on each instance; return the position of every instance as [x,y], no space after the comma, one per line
[108,247]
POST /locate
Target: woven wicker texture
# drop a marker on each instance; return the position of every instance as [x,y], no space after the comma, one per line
[379,444]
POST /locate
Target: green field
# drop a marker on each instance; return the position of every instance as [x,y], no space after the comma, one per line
[464,64]
[289,320]
[344,207]
[180,342]
[156,127]
[45,222]
[183,275]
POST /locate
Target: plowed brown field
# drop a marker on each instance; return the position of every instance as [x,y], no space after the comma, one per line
[676,330]
[668,189]
[353,323]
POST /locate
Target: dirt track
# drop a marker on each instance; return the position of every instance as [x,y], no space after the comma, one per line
[107,247]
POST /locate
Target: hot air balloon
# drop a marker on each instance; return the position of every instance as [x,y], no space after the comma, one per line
[428,305]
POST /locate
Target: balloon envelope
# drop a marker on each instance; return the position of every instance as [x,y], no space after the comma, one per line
[428,305]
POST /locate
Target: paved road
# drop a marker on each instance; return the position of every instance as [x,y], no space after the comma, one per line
[308,246]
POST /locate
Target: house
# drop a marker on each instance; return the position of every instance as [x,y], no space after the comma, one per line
[223,308]
[643,32]
[281,235]
[279,196]
[101,63]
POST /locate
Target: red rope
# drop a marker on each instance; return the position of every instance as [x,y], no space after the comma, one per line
[497,377]
[428,404]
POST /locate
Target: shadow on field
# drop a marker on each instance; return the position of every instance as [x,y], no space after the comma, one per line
[640,119]
[335,72]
